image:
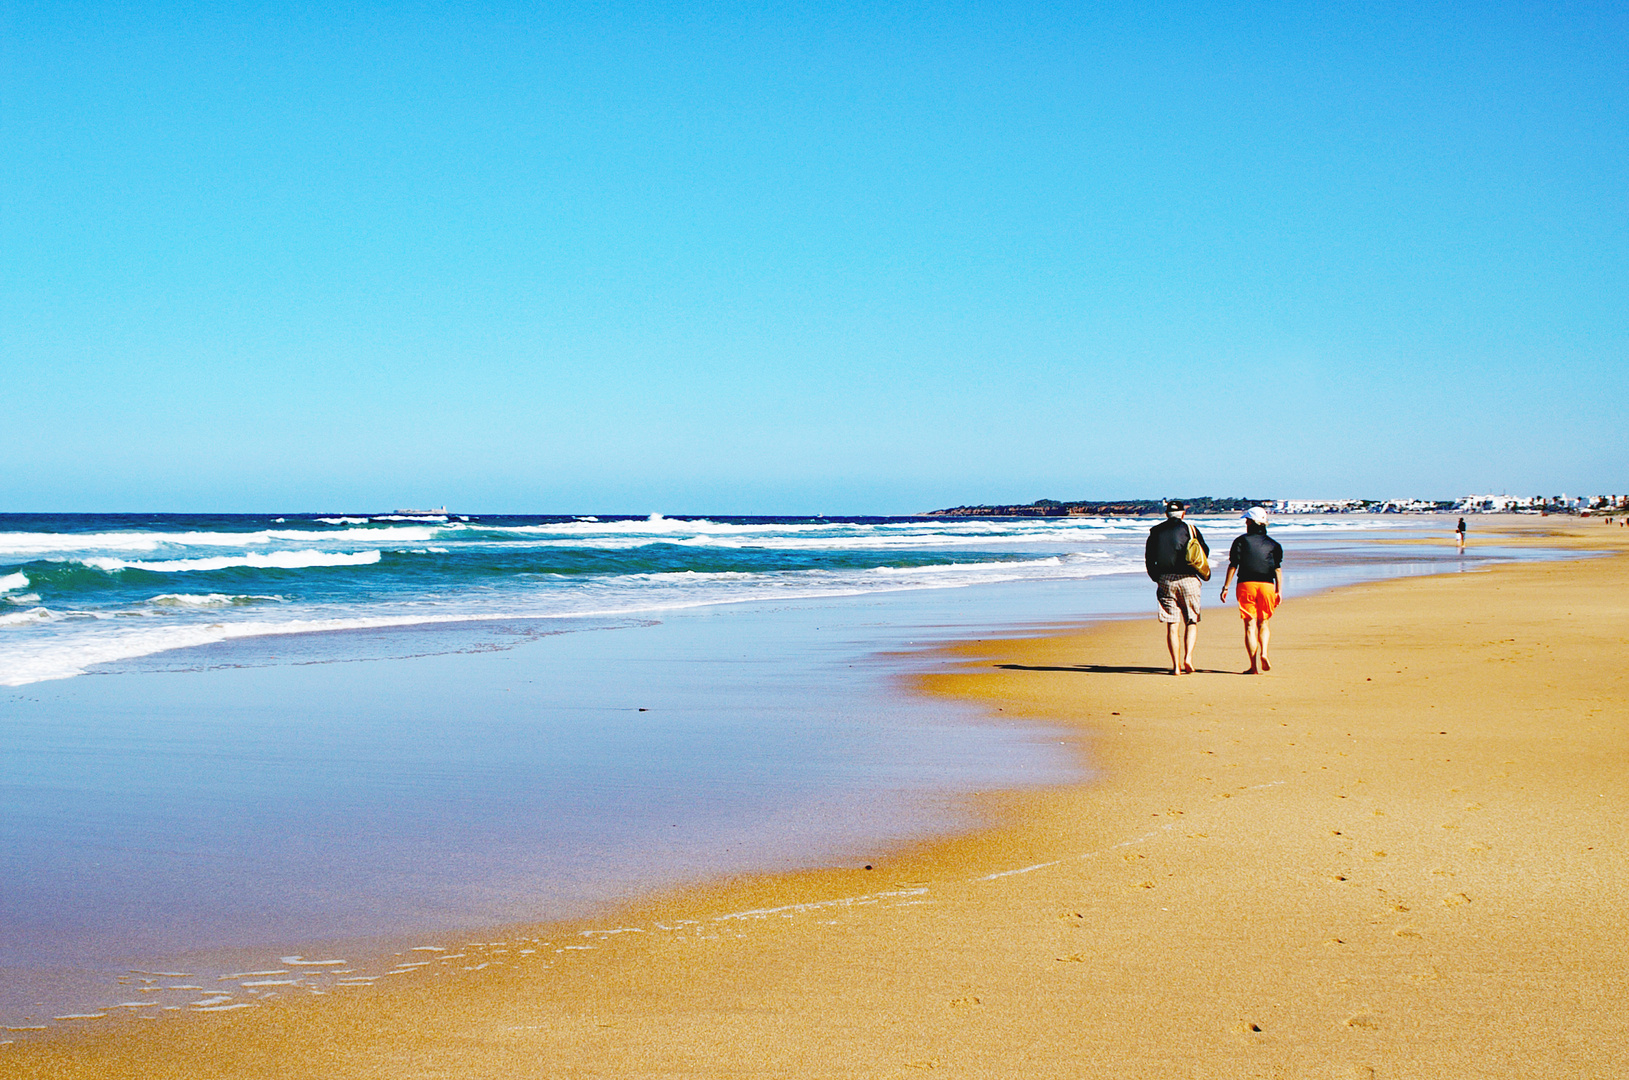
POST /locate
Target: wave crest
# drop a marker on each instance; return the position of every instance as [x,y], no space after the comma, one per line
[209,600]
[270,560]
[32,615]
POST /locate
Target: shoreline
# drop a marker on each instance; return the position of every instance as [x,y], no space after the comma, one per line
[1047,941]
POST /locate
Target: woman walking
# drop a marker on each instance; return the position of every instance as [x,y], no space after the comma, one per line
[1258,560]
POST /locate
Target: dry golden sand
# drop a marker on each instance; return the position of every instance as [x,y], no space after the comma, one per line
[1400,855]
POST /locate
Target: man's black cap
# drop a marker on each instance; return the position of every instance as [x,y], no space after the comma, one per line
[1175,504]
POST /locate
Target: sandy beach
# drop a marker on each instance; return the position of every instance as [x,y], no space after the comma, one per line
[1401,854]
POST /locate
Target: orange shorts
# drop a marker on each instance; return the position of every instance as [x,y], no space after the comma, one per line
[1257,599]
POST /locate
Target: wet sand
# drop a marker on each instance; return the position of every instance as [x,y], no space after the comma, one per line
[1401,854]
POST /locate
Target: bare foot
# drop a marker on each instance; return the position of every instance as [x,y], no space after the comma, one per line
[1187,669]
[1252,671]
[1265,666]
[1176,671]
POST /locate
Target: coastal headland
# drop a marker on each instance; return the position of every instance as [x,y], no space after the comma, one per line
[1401,854]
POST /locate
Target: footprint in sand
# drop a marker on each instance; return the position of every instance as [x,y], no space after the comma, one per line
[1363,1020]
[1247,1027]
[1456,900]
[1407,931]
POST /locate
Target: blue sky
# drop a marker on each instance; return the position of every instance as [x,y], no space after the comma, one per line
[808,258]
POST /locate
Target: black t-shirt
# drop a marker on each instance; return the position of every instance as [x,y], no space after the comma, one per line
[1256,556]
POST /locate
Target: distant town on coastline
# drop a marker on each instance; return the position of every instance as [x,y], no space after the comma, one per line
[1583,505]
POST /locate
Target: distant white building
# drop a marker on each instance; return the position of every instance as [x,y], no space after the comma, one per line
[1498,504]
[1317,506]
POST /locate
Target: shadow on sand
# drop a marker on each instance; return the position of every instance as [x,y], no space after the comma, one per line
[1112,669]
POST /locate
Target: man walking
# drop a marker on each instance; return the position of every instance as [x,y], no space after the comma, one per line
[1177,583]
[1258,559]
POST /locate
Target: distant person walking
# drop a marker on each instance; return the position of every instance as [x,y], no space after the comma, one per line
[1170,556]
[1459,535]
[1258,559]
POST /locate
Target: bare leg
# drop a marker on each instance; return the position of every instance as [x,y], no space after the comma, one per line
[1266,635]
[1190,635]
[1251,648]
[1173,642]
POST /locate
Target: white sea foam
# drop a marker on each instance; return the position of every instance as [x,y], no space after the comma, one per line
[280,560]
[23,618]
[206,600]
[837,536]
[40,545]
[590,532]
[28,660]
[65,639]
[13,582]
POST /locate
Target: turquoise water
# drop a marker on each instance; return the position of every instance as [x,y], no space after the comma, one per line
[81,590]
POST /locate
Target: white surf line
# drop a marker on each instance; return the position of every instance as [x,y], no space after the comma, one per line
[409,967]
[1144,838]
[751,913]
[818,905]
[1086,855]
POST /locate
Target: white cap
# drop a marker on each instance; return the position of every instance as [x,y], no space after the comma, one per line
[1256,514]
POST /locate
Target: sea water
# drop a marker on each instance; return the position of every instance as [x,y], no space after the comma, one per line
[81,590]
[271,732]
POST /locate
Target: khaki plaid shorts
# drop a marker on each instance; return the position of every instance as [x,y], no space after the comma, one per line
[1178,595]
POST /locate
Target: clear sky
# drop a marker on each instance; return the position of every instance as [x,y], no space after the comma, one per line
[808,257]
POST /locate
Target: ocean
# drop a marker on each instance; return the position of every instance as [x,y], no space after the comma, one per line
[232,739]
[79,591]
